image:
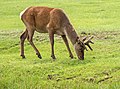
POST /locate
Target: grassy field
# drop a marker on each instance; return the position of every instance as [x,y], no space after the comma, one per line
[99,70]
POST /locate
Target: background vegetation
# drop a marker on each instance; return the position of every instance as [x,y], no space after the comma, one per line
[99,70]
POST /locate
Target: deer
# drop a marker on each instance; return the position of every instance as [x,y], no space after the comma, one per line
[53,21]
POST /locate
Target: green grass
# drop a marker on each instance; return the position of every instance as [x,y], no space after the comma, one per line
[95,15]
[99,70]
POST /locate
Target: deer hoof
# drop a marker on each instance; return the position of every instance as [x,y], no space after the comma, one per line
[39,56]
[23,56]
[71,56]
[53,57]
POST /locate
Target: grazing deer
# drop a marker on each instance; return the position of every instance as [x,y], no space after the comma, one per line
[51,21]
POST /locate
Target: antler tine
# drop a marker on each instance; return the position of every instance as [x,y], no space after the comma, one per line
[89,46]
[90,38]
[86,48]
[84,38]
[89,41]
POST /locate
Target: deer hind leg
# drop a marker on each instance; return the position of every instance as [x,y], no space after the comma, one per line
[22,39]
[67,45]
[30,39]
[51,36]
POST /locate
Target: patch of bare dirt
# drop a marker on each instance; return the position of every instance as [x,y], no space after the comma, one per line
[103,35]
[10,34]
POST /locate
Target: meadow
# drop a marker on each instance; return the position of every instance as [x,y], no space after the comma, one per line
[99,70]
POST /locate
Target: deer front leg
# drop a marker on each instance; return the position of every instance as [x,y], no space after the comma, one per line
[67,45]
[30,39]
[51,36]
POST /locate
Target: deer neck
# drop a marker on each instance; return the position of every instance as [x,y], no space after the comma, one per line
[71,33]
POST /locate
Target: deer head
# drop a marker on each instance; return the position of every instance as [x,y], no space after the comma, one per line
[80,46]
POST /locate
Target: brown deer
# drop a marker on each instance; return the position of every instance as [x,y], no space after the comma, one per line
[51,21]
